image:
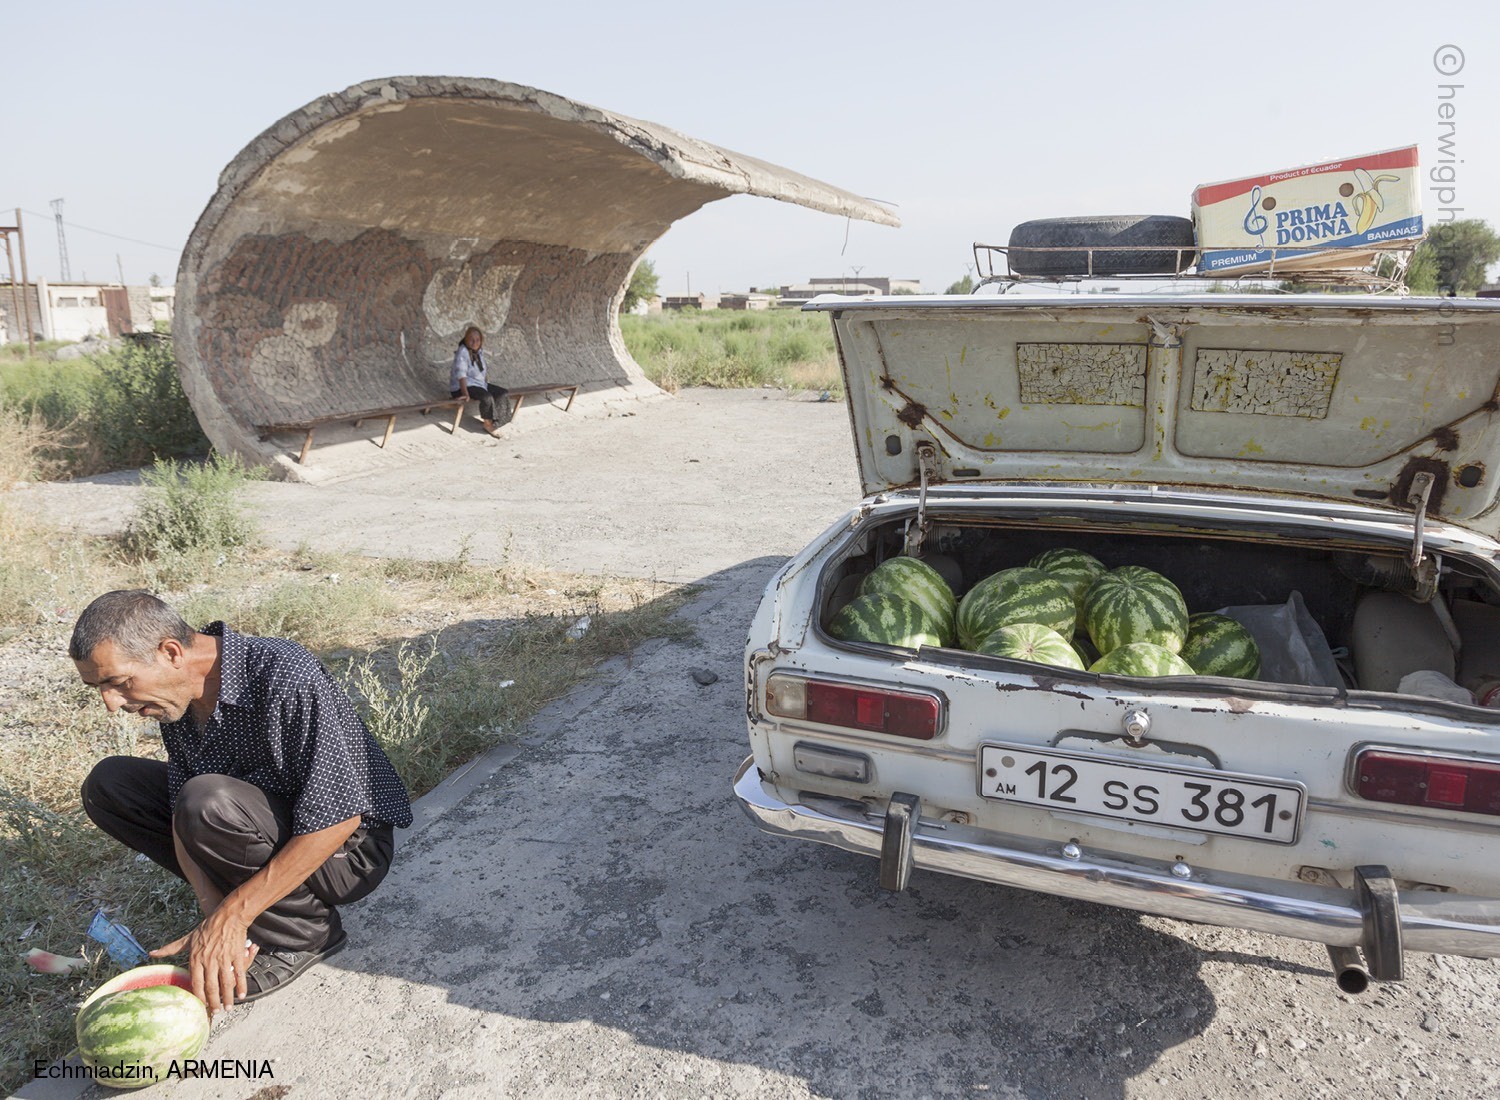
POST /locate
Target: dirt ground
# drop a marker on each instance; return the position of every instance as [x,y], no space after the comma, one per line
[675,488]
[587,914]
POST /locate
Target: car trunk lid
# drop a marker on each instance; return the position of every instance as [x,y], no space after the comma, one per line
[1385,402]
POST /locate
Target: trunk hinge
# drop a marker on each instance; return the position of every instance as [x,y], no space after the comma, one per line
[1424,568]
[927,471]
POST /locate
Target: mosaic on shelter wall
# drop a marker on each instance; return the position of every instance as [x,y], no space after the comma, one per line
[293,327]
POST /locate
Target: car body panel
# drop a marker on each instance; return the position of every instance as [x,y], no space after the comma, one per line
[1327,397]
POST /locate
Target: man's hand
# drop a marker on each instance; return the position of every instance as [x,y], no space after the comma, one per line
[217,959]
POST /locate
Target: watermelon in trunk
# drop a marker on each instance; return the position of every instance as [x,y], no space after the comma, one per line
[1133,604]
[1218,646]
[1076,569]
[1011,596]
[132,1037]
[910,579]
[1142,659]
[1031,642]
[886,619]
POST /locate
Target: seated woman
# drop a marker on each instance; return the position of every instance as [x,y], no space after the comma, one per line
[470,378]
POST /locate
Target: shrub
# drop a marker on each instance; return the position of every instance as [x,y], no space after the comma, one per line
[123,408]
[143,411]
[191,514]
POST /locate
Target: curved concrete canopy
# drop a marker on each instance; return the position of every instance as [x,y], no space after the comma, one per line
[349,245]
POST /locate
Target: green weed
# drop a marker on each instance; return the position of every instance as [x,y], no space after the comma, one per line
[119,409]
[190,518]
[789,350]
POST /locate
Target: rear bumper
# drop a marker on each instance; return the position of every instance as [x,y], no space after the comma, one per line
[1428,920]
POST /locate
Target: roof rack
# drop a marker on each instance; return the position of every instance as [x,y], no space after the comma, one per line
[988,259]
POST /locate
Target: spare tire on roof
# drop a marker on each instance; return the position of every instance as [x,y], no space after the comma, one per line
[1111,238]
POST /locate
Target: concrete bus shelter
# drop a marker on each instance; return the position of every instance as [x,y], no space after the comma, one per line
[349,245]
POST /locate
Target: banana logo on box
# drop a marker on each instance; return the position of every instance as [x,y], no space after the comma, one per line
[1366,199]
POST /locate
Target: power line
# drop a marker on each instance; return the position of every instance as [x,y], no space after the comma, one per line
[106,233]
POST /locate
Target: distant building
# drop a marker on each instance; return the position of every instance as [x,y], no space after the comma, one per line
[796,294]
[690,301]
[882,284]
[69,312]
[746,301]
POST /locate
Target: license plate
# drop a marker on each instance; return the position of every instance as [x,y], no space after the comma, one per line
[1245,806]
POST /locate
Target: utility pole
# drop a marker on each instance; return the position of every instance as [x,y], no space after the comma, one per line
[6,231]
[120,267]
[62,243]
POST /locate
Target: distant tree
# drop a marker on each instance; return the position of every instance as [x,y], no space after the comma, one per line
[903,290]
[642,286]
[1422,272]
[155,279]
[963,286]
[1459,253]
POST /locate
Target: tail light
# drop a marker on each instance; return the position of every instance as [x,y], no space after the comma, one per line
[877,710]
[1440,782]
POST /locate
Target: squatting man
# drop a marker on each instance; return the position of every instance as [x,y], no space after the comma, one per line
[274,803]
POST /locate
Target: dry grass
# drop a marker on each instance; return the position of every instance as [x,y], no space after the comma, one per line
[782,348]
[821,375]
[376,624]
[25,439]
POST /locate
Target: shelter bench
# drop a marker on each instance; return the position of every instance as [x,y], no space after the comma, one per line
[519,394]
[357,418]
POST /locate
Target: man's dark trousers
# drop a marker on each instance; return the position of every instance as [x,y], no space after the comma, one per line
[231,829]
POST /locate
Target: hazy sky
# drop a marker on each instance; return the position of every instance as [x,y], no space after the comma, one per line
[967,117]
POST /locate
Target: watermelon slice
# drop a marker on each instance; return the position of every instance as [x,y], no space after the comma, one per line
[143,977]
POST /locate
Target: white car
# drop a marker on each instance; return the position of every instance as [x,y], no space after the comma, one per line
[1321,460]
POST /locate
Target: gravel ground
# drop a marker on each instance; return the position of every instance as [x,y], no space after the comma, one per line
[587,913]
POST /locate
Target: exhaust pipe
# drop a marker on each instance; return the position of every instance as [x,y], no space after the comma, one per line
[1349,969]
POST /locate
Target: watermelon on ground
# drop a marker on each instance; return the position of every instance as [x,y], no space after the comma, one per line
[1074,568]
[889,620]
[918,582]
[1134,604]
[1142,659]
[1031,642]
[1219,646]
[131,1038]
[140,978]
[1021,595]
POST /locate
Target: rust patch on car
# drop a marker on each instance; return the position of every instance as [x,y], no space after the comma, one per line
[1471,475]
[1444,438]
[913,414]
[1401,490]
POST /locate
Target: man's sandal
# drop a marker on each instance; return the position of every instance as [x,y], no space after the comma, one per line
[274,968]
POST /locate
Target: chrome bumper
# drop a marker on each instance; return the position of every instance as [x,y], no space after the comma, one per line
[1428,920]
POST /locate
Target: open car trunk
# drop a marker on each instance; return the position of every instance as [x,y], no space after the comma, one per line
[1319,466]
[1331,615]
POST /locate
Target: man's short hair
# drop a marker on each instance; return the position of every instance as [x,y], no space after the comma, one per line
[135,620]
